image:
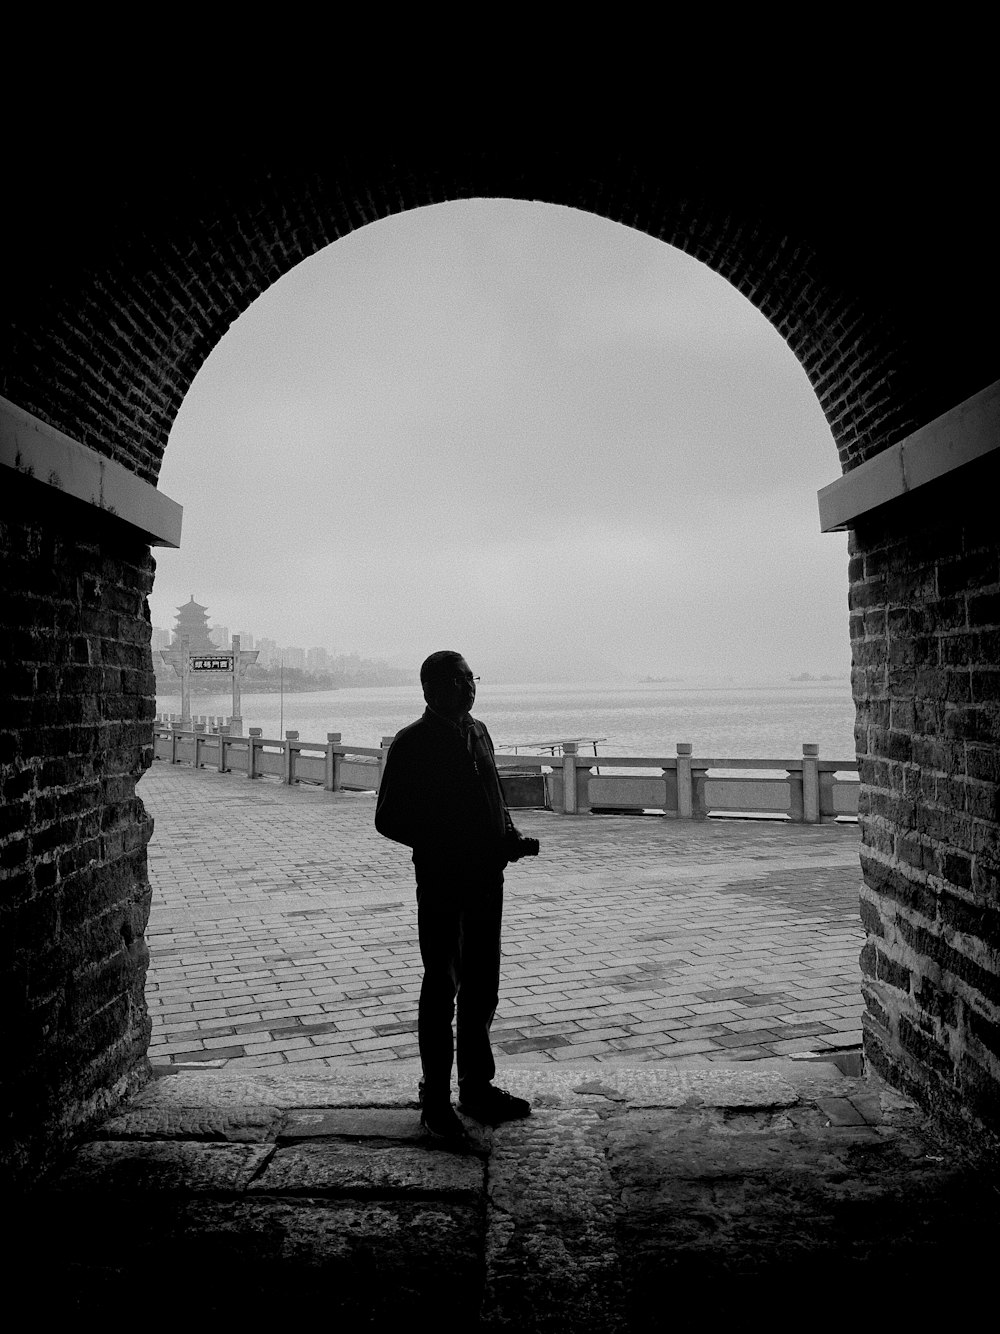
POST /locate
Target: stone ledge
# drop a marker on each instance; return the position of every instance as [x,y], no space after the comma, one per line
[363,1169]
[217,1093]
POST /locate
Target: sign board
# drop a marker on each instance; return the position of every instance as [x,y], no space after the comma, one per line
[233,664]
[220,662]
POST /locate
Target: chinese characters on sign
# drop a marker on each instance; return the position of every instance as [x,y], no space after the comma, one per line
[219,663]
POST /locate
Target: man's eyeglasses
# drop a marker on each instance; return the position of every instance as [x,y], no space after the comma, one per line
[467,676]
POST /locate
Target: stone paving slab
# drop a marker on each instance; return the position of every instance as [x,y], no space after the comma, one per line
[248,1124]
[396,1170]
[351,1123]
[124,1167]
[283,933]
[239,1090]
[551,1246]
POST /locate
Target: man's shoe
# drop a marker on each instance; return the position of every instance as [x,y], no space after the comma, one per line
[492,1105]
[442,1123]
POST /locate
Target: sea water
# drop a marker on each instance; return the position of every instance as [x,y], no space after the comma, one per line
[736,722]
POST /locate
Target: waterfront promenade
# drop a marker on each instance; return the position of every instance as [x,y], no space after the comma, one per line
[689,1163]
[283,934]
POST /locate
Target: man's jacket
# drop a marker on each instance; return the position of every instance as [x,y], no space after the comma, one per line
[440,795]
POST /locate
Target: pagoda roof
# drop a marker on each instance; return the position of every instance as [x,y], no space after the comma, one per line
[191,605]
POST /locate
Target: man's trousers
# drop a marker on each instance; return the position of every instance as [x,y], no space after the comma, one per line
[459,921]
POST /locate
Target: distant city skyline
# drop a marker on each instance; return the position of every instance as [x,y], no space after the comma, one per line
[544,439]
[192,617]
[299,656]
[314,657]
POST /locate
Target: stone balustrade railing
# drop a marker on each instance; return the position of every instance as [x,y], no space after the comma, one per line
[328,763]
[807,790]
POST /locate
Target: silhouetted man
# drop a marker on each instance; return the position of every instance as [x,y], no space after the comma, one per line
[440,795]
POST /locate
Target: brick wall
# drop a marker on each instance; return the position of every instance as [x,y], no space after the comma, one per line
[74,652]
[925,623]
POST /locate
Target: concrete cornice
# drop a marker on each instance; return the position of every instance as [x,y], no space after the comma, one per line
[34,449]
[967,432]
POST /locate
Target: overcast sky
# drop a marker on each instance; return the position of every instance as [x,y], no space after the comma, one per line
[554,443]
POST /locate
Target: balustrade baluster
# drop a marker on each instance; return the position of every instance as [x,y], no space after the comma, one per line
[332,767]
[253,746]
[290,748]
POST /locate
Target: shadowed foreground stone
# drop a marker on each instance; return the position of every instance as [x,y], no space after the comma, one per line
[116,1168]
[632,1200]
[365,1169]
[551,1250]
[239,1124]
[360,1263]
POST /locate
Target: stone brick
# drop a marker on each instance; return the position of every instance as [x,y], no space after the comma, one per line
[980,1091]
[986,879]
[935,1001]
[923,1048]
[888,970]
[986,1031]
[981,920]
[957,867]
[871,919]
[927,943]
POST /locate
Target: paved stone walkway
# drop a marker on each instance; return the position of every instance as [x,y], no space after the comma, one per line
[661,1182]
[283,934]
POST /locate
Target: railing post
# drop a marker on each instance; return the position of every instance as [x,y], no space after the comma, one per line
[685,805]
[199,732]
[290,738]
[795,807]
[827,809]
[223,739]
[810,784]
[252,747]
[699,802]
[670,791]
[174,729]
[569,777]
[236,720]
[185,647]
[332,767]
[583,777]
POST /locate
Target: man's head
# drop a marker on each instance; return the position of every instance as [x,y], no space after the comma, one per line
[448,683]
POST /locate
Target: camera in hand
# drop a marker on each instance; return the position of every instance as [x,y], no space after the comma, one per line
[518,846]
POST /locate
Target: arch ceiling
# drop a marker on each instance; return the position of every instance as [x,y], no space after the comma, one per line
[118,299]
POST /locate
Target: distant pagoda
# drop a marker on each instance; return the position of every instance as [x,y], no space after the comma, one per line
[192,620]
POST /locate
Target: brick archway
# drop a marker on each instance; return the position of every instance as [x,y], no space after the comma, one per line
[142,292]
[111,320]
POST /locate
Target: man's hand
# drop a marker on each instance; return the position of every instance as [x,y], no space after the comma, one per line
[518,846]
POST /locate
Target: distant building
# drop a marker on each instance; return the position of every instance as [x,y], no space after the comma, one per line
[268,653]
[246,639]
[192,621]
[160,639]
[317,660]
[294,657]
[220,634]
